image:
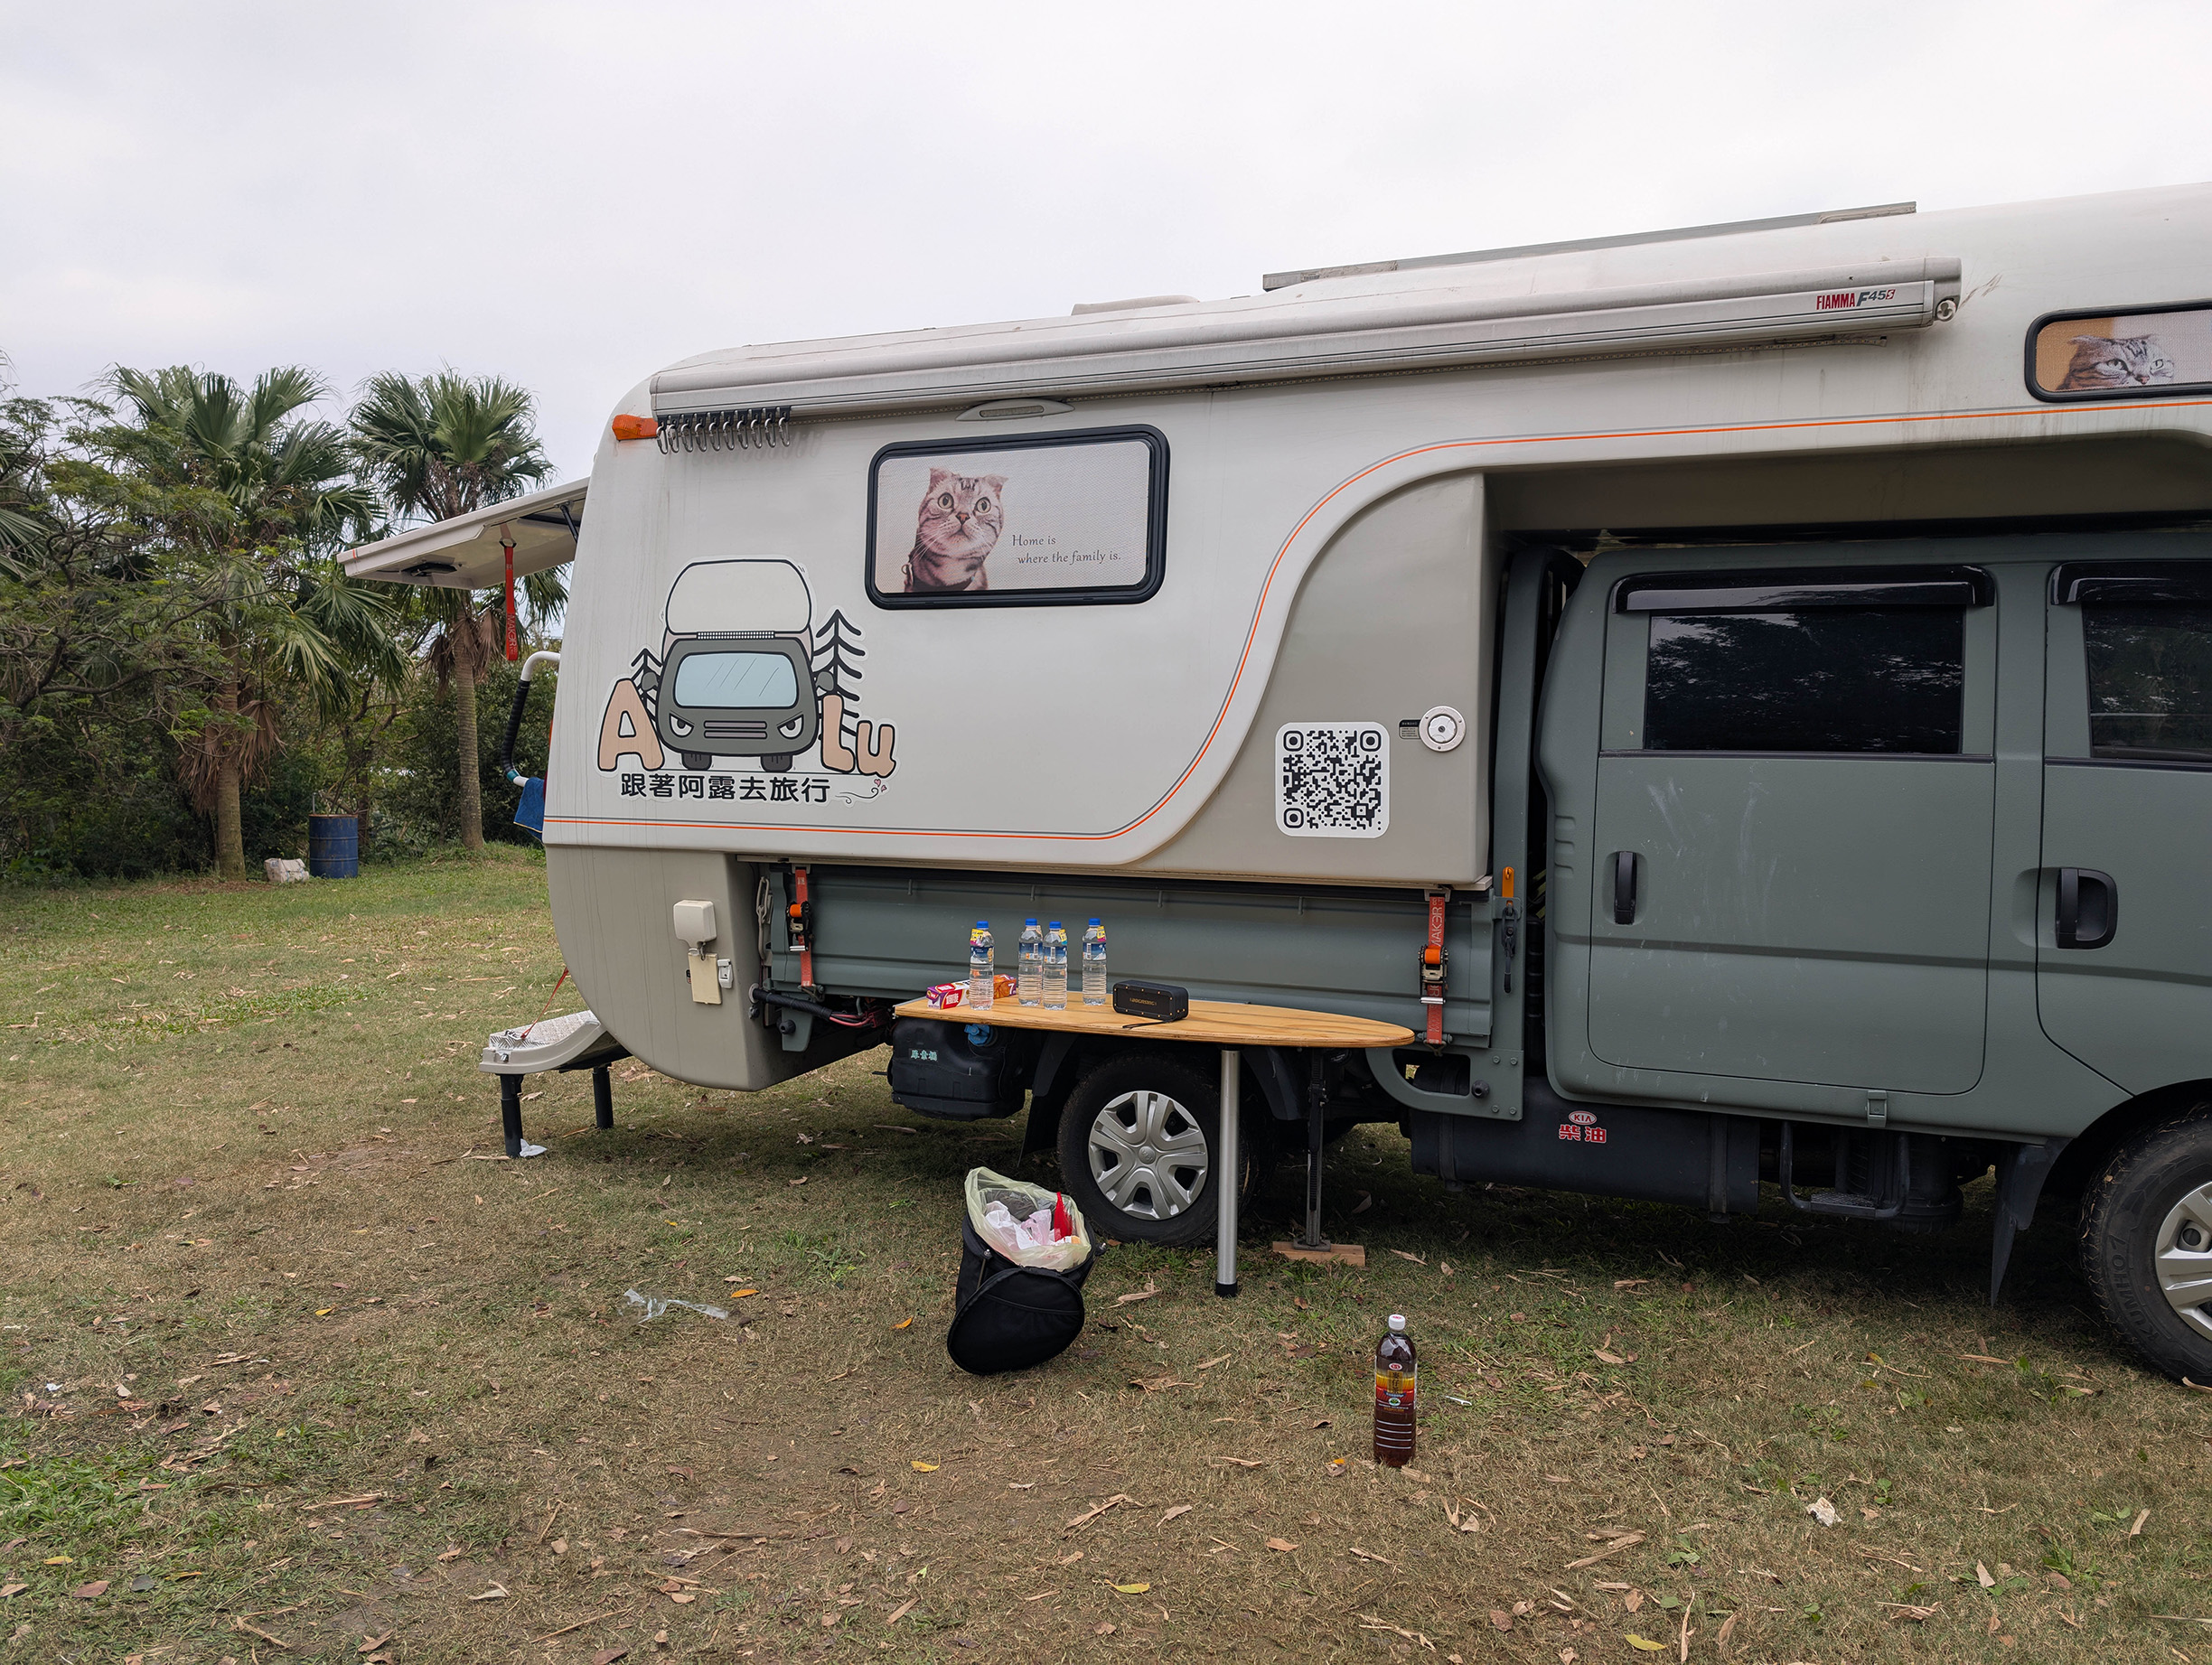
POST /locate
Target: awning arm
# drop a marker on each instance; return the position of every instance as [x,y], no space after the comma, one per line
[469,551]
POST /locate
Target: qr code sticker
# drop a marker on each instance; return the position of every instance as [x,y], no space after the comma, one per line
[1332,780]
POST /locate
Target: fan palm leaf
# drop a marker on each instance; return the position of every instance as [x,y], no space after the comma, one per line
[442,446]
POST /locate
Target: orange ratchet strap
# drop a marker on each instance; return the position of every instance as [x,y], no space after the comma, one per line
[1433,961]
[801,917]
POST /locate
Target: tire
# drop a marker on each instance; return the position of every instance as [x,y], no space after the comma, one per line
[776,763]
[699,760]
[2146,1243]
[1170,1198]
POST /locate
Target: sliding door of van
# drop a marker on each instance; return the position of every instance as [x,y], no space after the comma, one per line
[1793,822]
[2123,958]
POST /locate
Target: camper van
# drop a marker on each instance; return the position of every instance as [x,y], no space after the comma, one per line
[1770,663]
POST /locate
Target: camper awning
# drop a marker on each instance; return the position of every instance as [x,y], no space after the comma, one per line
[1320,329]
[465,553]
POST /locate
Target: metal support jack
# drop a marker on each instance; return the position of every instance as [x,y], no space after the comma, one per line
[1317,1102]
[510,1113]
[1312,1245]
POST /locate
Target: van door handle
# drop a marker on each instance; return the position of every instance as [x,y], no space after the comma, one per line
[2088,907]
[1624,887]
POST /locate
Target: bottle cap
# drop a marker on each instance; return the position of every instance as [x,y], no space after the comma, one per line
[1397,1323]
[1030,920]
[1095,921]
[982,924]
[1054,925]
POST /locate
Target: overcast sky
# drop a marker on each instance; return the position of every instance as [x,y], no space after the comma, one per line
[573,195]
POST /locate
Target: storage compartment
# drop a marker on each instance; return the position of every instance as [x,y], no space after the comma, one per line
[1697,1158]
[957,1072]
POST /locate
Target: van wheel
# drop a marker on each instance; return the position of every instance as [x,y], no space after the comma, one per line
[778,764]
[2146,1243]
[699,760]
[1137,1139]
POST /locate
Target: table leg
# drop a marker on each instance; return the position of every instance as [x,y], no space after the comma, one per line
[1315,1098]
[511,1112]
[1228,1169]
[603,1098]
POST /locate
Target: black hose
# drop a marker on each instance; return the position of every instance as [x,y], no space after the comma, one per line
[851,1020]
[514,727]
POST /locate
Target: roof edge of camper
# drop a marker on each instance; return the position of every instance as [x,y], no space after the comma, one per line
[468,551]
[1579,245]
[1298,336]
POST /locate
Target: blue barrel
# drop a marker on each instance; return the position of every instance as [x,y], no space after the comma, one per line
[333,847]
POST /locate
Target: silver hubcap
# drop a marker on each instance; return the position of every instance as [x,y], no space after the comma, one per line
[1148,1156]
[2185,1259]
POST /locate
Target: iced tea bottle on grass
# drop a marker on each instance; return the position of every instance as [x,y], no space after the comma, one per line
[1395,1376]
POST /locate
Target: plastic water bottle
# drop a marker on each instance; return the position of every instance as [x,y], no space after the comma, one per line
[1397,1396]
[982,967]
[1056,965]
[1029,966]
[1094,963]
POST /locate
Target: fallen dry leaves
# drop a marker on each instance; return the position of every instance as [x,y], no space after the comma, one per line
[1626,1540]
[1093,1512]
[1368,1621]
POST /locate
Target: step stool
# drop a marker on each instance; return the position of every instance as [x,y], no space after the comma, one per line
[574,1041]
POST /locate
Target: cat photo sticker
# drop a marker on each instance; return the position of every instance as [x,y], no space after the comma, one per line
[1044,518]
[957,527]
[2121,355]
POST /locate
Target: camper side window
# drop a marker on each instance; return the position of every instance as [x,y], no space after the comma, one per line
[1018,520]
[1822,679]
[2149,681]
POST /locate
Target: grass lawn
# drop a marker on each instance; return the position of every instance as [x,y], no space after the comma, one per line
[300,1372]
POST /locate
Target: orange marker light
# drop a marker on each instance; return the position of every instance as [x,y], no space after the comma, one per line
[1506,886]
[635,427]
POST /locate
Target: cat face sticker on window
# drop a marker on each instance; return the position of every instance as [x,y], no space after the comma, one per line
[1029,520]
[2120,355]
[954,535]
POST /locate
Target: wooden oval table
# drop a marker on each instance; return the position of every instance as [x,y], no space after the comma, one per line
[1232,1027]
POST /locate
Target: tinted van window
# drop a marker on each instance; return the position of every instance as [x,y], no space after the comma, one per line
[2149,681]
[1824,680]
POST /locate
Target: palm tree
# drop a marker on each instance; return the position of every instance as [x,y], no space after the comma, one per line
[442,446]
[261,499]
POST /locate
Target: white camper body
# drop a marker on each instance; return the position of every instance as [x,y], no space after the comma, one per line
[1239,622]
[1343,456]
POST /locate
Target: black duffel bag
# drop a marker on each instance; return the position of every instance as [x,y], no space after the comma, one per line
[1006,1316]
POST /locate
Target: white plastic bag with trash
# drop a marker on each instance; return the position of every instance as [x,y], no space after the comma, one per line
[1028,1224]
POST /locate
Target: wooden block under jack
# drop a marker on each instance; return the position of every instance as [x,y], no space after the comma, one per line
[1349,1254]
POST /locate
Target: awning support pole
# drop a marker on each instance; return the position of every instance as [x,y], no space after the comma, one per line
[514,641]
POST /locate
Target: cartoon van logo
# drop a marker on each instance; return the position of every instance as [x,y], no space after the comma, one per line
[745,680]
[736,674]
